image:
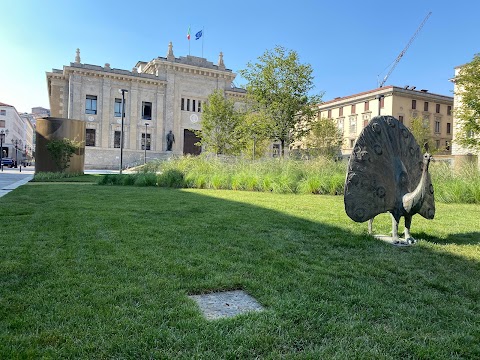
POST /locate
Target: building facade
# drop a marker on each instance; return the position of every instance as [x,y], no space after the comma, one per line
[162,95]
[352,113]
[17,133]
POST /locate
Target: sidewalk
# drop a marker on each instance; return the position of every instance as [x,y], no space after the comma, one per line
[12,178]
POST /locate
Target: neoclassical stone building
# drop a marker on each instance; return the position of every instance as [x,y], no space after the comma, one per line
[162,95]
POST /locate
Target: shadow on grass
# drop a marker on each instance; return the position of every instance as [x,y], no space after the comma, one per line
[469,238]
[104,272]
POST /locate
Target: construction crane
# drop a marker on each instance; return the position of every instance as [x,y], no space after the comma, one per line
[399,57]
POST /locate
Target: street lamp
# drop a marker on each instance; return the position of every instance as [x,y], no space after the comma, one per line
[145,144]
[123,91]
[3,133]
[17,142]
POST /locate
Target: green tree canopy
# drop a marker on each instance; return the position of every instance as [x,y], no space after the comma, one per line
[467,112]
[220,125]
[255,134]
[278,87]
[325,137]
[62,151]
[420,130]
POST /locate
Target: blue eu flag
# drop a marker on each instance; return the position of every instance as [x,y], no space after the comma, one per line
[198,35]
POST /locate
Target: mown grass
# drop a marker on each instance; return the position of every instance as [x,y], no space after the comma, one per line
[104,272]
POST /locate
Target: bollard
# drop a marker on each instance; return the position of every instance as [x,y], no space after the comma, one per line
[20,167]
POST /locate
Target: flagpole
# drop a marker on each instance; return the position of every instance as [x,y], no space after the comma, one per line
[203,37]
[188,40]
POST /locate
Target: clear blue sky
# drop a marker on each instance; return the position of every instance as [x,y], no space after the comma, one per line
[348,43]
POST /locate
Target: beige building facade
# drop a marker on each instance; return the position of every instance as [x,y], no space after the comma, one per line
[352,113]
[18,132]
[162,95]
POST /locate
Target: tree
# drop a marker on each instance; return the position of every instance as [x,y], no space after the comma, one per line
[325,137]
[279,87]
[420,130]
[220,125]
[467,112]
[255,134]
[62,151]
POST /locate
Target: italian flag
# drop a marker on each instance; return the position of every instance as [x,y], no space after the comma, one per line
[188,33]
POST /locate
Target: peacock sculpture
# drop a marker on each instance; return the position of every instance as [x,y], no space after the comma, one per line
[388,173]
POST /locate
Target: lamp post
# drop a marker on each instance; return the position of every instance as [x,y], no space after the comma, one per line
[123,91]
[17,142]
[145,144]
[3,133]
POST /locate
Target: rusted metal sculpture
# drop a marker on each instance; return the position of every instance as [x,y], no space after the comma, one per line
[387,173]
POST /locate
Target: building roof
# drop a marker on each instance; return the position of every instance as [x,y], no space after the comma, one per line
[3,104]
[385,89]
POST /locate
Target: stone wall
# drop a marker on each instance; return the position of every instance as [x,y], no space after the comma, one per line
[102,158]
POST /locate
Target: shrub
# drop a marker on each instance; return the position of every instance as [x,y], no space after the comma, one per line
[171,178]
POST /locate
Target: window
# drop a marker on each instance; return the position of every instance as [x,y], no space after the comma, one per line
[146,110]
[91,104]
[437,144]
[414,104]
[90,137]
[340,111]
[188,104]
[366,106]
[340,125]
[382,102]
[353,125]
[449,110]
[425,106]
[352,142]
[400,118]
[353,109]
[182,106]
[2,123]
[447,145]
[3,112]
[116,139]
[437,108]
[118,107]
[199,108]
[148,141]
[426,121]
[449,128]
[329,114]
[437,126]
[193,105]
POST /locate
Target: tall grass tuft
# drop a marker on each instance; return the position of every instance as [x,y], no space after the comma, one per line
[462,186]
[320,176]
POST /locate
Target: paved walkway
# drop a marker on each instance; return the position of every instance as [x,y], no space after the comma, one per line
[12,178]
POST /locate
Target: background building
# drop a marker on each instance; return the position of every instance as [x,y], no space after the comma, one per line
[18,133]
[352,113]
[164,94]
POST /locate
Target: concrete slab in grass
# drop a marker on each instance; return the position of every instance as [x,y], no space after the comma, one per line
[226,304]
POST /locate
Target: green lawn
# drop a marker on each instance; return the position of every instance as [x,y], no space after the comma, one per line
[104,272]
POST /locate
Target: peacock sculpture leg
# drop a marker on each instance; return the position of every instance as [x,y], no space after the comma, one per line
[370,226]
[408,238]
[395,238]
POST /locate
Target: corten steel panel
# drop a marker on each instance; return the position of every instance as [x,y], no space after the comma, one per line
[51,128]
